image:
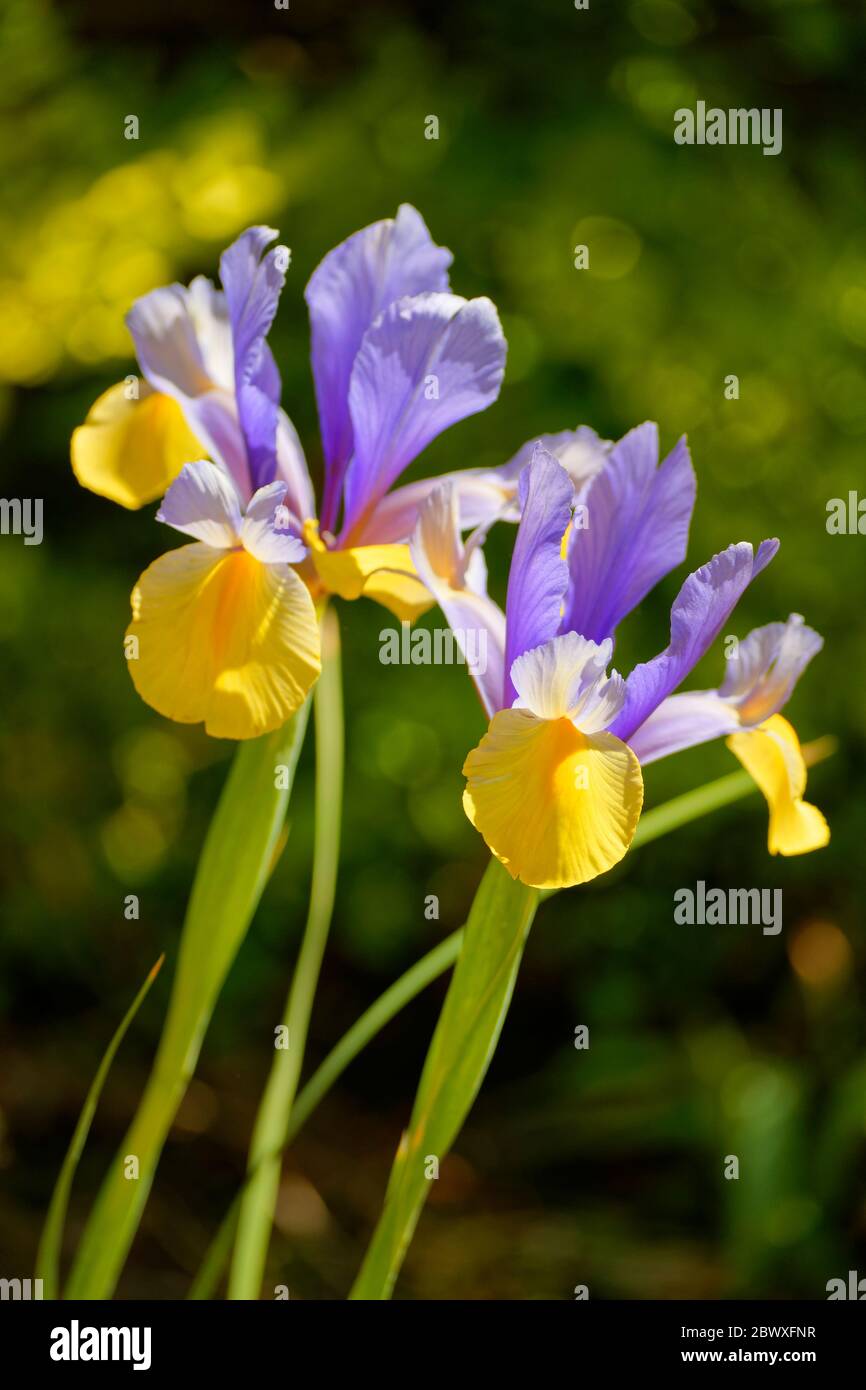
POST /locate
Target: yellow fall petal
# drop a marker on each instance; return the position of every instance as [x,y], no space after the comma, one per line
[556,806]
[771,754]
[402,594]
[385,573]
[224,639]
[130,450]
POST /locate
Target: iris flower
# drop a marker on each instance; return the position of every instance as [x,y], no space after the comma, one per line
[225,629]
[555,786]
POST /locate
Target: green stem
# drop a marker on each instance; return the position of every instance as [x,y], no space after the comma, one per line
[269,1135]
[232,871]
[671,815]
[464,1041]
[371,1022]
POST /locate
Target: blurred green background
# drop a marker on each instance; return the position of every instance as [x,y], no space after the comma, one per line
[601,1167]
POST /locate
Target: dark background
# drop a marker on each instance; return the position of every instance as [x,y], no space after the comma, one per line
[602,1167]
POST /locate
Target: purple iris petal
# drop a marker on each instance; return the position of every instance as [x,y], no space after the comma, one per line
[166,343]
[252,282]
[203,502]
[760,677]
[263,532]
[481,497]
[538,577]
[426,363]
[637,531]
[700,611]
[351,287]
[485,495]
[766,666]
[292,469]
[581,452]
[683,721]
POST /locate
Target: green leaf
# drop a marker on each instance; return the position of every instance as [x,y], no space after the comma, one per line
[371,1022]
[50,1245]
[234,866]
[463,1044]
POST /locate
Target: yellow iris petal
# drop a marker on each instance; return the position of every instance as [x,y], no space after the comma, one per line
[402,594]
[771,754]
[556,806]
[224,639]
[130,450]
[385,573]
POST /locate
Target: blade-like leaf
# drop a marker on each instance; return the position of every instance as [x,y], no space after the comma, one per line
[460,1053]
[48,1254]
[232,871]
[371,1022]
